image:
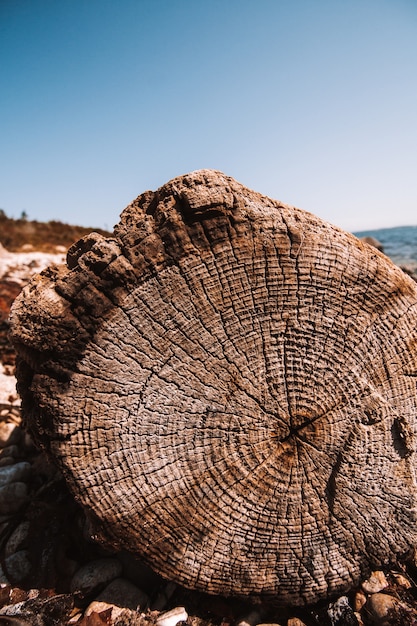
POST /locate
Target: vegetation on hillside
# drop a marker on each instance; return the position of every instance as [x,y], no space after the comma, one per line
[43,236]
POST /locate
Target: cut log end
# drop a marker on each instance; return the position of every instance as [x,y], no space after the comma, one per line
[229,386]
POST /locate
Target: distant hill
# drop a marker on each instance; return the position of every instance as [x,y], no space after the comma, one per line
[43,236]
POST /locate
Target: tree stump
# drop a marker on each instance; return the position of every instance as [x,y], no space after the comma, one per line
[229,387]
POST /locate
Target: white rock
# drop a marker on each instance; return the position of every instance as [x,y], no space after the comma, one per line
[340,612]
[18,472]
[13,610]
[375,583]
[95,574]
[8,393]
[172,617]
[19,267]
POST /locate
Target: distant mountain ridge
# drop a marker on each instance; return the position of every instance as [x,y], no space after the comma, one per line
[42,236]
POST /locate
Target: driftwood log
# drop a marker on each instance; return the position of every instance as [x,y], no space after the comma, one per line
[229,387]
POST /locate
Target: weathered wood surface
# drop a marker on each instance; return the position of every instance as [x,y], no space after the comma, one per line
[229,386]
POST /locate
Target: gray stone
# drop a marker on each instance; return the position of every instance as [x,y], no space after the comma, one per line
[124,593]
[91,576]
[120,594]
[18,472]
[6,460]
[17,538]
[12,497]
[18,566]
[12,451]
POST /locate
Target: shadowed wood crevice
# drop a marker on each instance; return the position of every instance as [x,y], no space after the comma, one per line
[228,385]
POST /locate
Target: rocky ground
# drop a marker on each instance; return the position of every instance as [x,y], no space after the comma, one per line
[52,573]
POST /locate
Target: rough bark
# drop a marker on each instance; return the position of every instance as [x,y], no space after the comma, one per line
[229,386]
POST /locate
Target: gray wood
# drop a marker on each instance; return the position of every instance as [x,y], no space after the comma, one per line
[229,386]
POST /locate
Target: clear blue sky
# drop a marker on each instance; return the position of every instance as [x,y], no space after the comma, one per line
[312,102]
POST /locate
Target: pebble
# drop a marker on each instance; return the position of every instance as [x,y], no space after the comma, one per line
[10,434]
[6,460]
[375,583]
[18,566]
[295,621]
[359,601]
[18,472]
[12,451]
[12,497]
[95,574]
[17,538]
[120,594]
[172,617]
[401,580]
[341,613]
[383,608]
[14,609]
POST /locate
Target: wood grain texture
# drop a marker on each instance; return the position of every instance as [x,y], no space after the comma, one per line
[229,386]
